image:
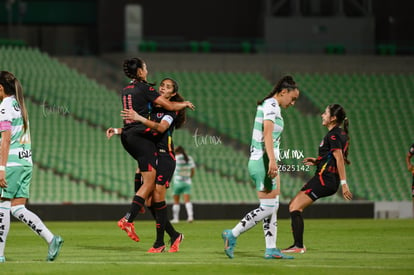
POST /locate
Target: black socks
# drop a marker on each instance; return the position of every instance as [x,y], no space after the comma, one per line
[297,227]
[160,210]
[136,205]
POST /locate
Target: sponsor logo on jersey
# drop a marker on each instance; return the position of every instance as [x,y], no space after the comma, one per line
[25,154]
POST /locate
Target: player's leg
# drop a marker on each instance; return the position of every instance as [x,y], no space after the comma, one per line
[5,205]
[18,209]
[188,203]
[176,205]
[296,206]
[270,234]
[160,209]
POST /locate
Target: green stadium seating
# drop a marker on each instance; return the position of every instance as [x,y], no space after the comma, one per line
[74,162]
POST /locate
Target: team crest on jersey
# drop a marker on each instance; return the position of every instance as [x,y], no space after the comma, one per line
[160,115]
[333,137]
[16,107]
[3,111]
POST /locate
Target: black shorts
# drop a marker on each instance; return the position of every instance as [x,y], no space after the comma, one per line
[321,186]
[165,169]
[141,148]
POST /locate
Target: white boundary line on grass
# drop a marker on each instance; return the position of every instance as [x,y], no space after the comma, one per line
[209,263]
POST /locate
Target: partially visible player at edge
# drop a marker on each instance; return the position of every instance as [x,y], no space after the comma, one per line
[16,166]
[330,172]
[410,167]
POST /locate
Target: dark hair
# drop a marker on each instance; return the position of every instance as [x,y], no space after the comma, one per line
[285,82]
[339,112]
[12,86]
[180,149]
[131,67]
[181,115]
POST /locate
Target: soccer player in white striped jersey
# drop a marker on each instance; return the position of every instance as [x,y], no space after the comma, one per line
[16,166]
[263,168]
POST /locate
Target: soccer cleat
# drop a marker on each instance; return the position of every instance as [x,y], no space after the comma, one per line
[190,220]
[156,250]
[2,259]
[129,228]
[294,249]
[175,246]
[174,221]
[229,243]
[54,248]
[274,253]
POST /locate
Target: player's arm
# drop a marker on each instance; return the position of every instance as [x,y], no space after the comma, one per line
[268,126]
[173,106]
[113,131]
[160,127]
[340,164]
[4,155]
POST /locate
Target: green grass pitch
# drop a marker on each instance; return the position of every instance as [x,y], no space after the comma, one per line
[335,246]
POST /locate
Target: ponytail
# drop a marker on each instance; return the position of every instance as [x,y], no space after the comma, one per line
[339,112]
[20,100]
[346,130]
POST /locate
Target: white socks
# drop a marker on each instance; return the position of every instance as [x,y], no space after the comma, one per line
[176,212]
[189,209]
[4,224]
[270,227]
[33,221]
[267,208]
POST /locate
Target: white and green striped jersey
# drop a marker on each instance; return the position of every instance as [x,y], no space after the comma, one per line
[183,169]
[269,110]
[20,153]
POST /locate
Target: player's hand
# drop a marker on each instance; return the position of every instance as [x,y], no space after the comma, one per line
[273,170]
[3,183]
[309,161]
[190,105]
[110,132]
[346,193]
[130,114]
